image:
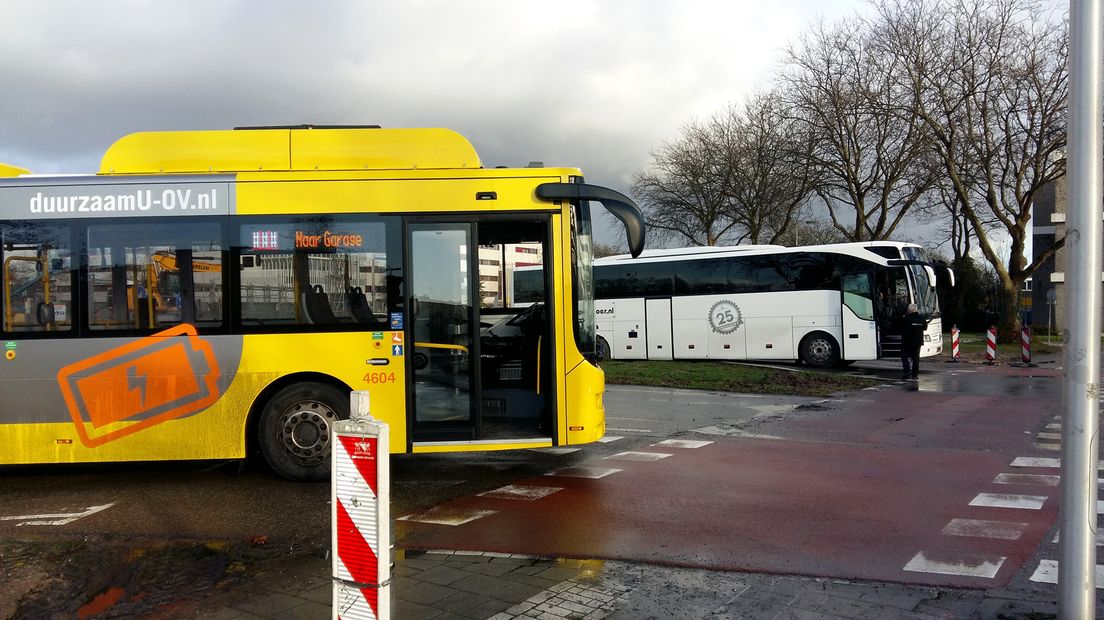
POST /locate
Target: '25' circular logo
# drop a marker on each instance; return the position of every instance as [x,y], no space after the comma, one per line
[725,317]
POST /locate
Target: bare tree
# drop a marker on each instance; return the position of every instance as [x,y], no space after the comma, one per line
[870,162]
[741,176]
[770,176]
[989,81]
[686,196]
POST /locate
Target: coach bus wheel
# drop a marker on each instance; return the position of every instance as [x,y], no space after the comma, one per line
[296,430]
[818,349]
[602,350]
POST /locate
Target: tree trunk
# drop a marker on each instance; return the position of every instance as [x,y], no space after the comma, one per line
[1008,322]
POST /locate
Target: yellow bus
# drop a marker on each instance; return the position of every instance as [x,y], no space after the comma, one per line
[305,262]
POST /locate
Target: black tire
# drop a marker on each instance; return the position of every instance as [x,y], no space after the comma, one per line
[602,350]
[296,430]
[819,350]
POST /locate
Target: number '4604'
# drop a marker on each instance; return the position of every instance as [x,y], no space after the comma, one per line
[379,377]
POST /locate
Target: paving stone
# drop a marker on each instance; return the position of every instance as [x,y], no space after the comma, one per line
[425,593]
[505,590]
[307,611]
[442,575]
[559,573]
[491,569]
[413,611]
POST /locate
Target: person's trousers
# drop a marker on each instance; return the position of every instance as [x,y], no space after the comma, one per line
[910,363]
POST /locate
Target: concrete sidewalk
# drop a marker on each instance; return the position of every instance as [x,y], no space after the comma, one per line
[446,585]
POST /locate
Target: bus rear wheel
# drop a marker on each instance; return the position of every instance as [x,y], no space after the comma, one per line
[295,432]
[819,350]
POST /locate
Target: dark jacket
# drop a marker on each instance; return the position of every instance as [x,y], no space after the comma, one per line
[912,331]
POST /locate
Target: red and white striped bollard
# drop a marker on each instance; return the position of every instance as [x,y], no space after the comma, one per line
[991,346]
[1025,339]
[954,343]
[360,515]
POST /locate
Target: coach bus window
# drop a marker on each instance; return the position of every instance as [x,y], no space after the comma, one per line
[322,271]
[38,280]
[857,295]
[151,276]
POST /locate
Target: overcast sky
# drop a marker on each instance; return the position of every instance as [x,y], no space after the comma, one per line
[593,84]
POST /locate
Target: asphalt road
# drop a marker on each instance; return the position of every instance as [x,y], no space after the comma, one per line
[878,472]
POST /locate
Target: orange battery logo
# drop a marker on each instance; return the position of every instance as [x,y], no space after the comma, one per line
[143,383]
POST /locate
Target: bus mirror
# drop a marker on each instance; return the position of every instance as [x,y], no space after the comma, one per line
[930,272]
[950,276]
[621,206]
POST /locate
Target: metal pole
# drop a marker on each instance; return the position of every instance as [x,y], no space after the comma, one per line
[1080,424]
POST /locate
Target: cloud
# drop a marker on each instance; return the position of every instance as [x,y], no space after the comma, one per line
[594,84]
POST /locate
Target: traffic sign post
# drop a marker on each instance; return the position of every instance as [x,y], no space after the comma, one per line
[360,517]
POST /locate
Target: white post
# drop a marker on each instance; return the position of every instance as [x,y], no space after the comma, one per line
[360,517]
[1080,423]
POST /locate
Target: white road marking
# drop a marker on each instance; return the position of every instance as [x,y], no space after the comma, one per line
[447,516]
[520,492]
[1030,461]
[1009,500]
[966,566]
[1048,573]
[583,471]
[1043,479]
[682,443]
[1050,436]
[637,456]
[980,528]
[629,430]
[609,439]
[1099,538]
[58,518]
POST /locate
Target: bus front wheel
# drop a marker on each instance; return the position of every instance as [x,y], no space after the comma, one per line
[602,350]
[819,350]
[296,430]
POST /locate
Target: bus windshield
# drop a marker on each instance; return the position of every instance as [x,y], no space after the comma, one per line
[927,302]
[582,257]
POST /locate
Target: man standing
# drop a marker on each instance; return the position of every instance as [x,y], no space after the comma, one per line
[912,338]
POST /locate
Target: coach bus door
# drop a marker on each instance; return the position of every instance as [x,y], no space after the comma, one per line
[860,331]
[657,319]
[481,366]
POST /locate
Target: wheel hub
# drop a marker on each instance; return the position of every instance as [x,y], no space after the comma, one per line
[305,431]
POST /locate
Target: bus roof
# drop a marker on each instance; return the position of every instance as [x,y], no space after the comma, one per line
[691,251]
[712,251]
[303,148]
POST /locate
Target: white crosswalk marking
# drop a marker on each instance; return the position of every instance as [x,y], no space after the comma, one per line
[965,565]
[1009,500]
[1048,573]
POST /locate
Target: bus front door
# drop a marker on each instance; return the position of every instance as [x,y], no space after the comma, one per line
[442,313]
[481,368]
[860,331]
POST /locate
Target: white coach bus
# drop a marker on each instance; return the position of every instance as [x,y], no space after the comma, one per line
[823,305]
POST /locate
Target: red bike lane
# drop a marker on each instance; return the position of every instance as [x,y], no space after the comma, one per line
[890,485]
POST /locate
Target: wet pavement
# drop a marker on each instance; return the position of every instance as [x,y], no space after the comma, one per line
[882,474]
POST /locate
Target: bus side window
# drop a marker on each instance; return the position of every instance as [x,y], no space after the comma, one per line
[327,272]
[857,295]
[37,279]
[152,276]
